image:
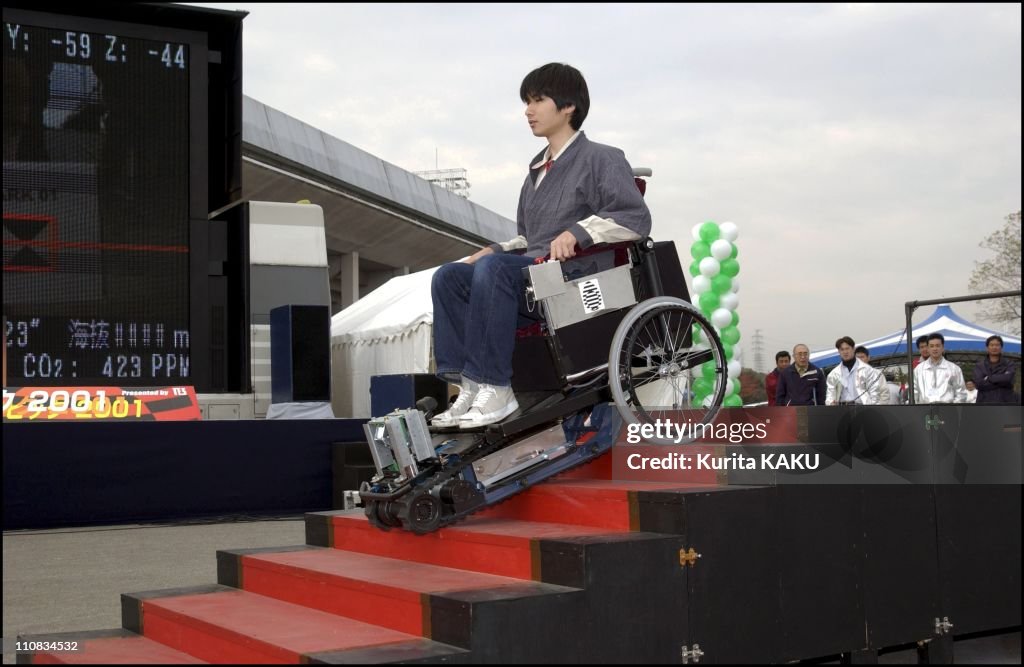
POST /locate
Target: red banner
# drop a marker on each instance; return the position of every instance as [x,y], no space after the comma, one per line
[40,404]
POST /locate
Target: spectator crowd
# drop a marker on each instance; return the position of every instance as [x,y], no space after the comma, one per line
[854,381]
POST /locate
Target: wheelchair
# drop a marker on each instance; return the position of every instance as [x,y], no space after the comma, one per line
[619,316]
[616,344]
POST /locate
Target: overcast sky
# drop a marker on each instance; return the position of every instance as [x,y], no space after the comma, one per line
[864,151]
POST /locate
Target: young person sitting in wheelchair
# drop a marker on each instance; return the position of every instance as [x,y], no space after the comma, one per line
[576,193]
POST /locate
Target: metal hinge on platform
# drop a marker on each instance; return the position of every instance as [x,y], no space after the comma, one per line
[932,421]
[688,558]
[693,655]
[351,500]
[942,627]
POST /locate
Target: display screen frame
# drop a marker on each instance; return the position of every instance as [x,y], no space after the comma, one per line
[197,180]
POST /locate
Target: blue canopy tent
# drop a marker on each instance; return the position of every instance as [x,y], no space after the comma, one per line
[961,337]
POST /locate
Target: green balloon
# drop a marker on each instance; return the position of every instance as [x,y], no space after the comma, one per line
[733,401]
[728,351]
[730,335]
[730,267]
[703,386]
[709,232]
[735,387]
[721,284]
[735,252]
[709,301]
[695,268]
[735,319]
[699,250]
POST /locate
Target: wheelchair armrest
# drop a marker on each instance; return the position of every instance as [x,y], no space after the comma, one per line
[605,247]
[598,248]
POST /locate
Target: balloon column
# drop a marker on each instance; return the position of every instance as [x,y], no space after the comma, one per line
[714,270]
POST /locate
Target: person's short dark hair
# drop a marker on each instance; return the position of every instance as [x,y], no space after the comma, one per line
[922,340]
[562,83]
[861,348]
[781,354]
[890,376]
[995,337]
[847,340]
[937,336]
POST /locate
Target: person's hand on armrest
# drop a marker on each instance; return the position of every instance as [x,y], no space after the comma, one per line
[564,246]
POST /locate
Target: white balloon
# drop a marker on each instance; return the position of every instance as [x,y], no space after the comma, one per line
[735,367]
[735,285]
[728,387]
[701,284]
[721,318]
[728,231]
[721,249]
[730,301]
[695,232]
[710,267]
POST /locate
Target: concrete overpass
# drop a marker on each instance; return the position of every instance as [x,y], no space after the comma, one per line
[381,221]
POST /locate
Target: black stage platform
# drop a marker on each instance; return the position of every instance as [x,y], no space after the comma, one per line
[71,474]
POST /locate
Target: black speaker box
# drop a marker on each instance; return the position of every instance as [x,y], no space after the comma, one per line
[300,354]
[400,392]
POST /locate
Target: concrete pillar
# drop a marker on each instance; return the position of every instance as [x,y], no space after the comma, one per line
[349,279]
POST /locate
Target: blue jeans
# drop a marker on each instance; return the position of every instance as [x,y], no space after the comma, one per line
[477,308]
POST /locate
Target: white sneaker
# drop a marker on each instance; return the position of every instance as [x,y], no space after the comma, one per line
[492,404]
[450,417]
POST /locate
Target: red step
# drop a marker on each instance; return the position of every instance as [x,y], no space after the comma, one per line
[613,466]
[599,468]
[598,503]
[121,648]
[384,591]
[233,626]
[493,546]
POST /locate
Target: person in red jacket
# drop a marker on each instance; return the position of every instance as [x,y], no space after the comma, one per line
[771,381]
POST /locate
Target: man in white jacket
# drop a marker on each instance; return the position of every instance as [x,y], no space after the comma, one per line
[938,380]
[854,382]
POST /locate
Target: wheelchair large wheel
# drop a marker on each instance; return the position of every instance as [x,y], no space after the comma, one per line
[655,360]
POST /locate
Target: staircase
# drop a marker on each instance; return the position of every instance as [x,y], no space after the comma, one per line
[559,573]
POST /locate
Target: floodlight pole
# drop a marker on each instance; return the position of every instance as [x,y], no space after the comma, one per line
[910,306]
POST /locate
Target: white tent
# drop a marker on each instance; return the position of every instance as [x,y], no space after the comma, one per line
[387,331]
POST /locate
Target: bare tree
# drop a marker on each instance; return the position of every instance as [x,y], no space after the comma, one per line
[1000,274]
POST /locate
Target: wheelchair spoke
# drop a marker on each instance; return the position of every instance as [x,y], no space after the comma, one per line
[666,329]
[678,394]
[646,377]
[695,358]
[651,336]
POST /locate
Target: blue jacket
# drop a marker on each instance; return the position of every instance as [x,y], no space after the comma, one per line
[806,389]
